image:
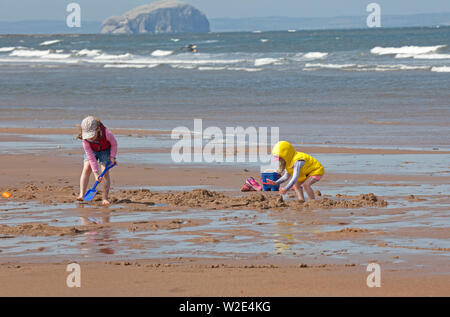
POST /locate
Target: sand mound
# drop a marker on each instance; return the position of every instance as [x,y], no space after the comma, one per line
[197,198]
[346,233]
[45,194]
[39,229]
[353,230]
[165,224]
[205,199]
[364,200]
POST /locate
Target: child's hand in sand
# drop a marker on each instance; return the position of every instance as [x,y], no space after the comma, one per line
[283,191]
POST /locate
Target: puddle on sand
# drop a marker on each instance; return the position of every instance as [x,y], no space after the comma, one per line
[31,143]
[224,233]
[404,164]
[382,189]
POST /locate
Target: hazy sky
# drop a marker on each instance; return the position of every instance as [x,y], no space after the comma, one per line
[98,10]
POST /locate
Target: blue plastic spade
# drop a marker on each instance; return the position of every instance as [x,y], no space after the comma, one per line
[92,192]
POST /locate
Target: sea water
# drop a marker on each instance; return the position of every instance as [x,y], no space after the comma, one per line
[382,87]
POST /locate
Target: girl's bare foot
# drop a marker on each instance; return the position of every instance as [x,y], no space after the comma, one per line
[80,198]
[105,202]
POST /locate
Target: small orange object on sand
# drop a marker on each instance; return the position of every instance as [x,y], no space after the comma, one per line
[6,195]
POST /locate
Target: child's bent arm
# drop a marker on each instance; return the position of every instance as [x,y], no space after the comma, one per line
[91,157]
[112,140]
[283,178]
[297,167]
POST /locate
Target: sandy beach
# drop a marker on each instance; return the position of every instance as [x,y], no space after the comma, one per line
[370,104]
[192,233]
[187,278]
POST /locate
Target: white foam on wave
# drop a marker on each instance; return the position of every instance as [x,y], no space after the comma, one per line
[161,53]
[96,56]
[208,42]
[300,57]
[424,56]
[129,66]
[410,50]
[245,69]
[113,57]
[7,49]
[87,53]
[180,61]
[183,66]
[211,68]
[364,68]
[175,40]
[216,68]
[387,68]
[266,61]
[315,55]
[329,66]
[441,69]
[56,56]
[292,31]
[46,43]
[264,40]
[29,53]
[40,62]
[43,54]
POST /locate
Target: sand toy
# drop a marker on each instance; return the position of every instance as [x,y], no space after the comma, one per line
[92,192]
[6,195]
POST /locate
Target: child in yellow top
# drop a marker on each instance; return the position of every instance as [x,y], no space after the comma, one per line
[304,169]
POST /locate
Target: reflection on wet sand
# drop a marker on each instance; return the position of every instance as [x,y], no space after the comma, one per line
[97,240]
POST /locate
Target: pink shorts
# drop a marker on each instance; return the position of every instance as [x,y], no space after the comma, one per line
[317,177]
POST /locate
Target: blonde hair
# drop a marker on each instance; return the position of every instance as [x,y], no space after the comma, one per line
[97,135]
[281,165]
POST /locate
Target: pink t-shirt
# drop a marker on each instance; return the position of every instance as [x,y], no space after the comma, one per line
[90,153]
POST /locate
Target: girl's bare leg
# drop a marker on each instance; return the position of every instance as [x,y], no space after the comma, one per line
[106,186]
[84,179]
[307,186]
[299,190]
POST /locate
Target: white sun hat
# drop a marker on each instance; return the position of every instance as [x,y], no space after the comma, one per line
[88,127]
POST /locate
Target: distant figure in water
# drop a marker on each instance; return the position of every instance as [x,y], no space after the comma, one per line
[192,48]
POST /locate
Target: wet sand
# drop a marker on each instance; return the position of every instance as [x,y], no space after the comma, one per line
[189,278]
[186,230]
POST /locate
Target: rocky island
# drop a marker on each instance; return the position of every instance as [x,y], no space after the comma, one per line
[166,16]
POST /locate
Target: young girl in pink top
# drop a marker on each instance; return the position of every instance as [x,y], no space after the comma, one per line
[100,146]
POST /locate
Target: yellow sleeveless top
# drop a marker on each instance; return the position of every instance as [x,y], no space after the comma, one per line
[286,151]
